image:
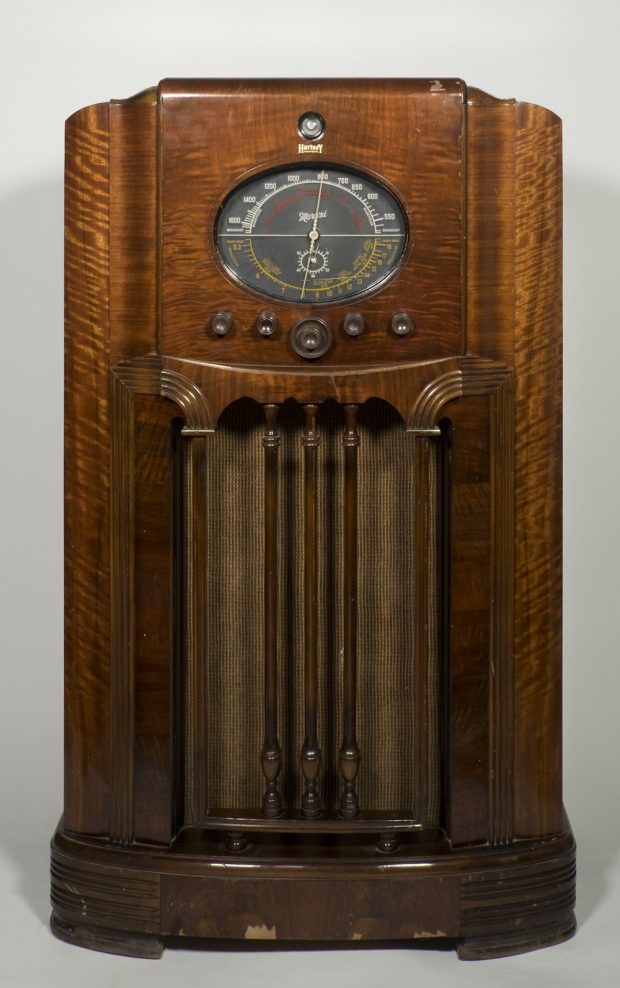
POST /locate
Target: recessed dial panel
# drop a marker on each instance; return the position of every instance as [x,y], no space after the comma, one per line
[309,234]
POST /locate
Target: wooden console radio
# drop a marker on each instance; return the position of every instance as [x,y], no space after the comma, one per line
[313,518]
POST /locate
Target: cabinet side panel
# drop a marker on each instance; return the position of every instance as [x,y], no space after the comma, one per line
[538,480]
[87,455]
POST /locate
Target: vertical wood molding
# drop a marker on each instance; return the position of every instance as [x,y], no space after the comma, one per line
[122,615]
[501,693]
[480,377]
[191,667]
[444,658]
[427,609]
[423,605]
[194,454]
[432,616]
[145,376]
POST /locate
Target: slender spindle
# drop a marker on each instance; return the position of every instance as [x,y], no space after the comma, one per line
[271,754]
[349,751]
[310,753]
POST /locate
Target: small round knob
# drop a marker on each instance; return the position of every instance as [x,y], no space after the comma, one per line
[221,324]
[267,323]
[401,323]
[311,338]
[353,324]
[311,126]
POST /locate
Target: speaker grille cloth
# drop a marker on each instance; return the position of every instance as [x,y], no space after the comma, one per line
[233,659]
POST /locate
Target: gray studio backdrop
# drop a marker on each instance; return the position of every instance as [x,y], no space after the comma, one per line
[57,57]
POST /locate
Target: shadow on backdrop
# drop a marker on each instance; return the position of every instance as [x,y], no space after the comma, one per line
[591,530]
[31,321]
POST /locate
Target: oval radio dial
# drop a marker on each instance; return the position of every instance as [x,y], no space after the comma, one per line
[311,235]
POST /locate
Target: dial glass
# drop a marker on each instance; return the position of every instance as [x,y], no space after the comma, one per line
[308,234]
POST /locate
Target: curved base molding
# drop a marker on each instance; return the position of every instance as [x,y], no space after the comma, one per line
[486,948]
[107,941]
[495,901]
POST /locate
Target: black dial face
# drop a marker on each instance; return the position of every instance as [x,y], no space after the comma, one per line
[308,234]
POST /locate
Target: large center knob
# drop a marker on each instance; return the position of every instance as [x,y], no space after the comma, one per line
[311,338]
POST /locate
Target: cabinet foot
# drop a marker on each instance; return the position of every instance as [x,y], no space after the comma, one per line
[486,947]
[108,941]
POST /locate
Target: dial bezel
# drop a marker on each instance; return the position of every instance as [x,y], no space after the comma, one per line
[351,168]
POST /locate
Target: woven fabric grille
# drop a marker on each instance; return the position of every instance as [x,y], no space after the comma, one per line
[386,621]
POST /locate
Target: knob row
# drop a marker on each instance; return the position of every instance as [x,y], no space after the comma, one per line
[353,324]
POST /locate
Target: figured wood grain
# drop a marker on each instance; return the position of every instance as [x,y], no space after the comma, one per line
[347,909]
[490,300]
[133,220]
[87,474]
[514,308]
[538,478]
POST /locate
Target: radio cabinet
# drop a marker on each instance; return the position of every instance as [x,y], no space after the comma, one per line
[313,519]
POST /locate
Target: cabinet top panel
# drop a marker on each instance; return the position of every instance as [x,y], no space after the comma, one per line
[303,201]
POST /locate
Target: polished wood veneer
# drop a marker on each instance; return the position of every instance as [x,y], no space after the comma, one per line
[386,778]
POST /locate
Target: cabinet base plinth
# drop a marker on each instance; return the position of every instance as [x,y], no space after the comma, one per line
[488,901]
